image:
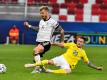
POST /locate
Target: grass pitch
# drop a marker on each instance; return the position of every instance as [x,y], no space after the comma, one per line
[15,56]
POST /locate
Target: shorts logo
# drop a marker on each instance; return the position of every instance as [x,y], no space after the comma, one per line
[75,53]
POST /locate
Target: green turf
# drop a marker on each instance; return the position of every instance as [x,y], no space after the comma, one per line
[15,56]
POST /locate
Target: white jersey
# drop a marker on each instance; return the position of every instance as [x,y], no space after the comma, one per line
[46,29]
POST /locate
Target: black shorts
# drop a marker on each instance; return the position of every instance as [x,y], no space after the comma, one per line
[46,46]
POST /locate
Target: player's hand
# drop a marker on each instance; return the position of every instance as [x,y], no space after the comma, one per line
[28,65]
[100,68]
[26,24]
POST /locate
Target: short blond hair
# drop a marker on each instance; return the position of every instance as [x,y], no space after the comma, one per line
[44,8]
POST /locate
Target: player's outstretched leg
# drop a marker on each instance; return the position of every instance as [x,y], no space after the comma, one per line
[41,63]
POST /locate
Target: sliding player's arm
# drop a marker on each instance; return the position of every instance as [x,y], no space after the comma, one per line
[94,66]
[26,24]
[91,65]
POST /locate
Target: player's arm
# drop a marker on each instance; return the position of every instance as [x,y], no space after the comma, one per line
[91,65]
[94,66]
[60,29]
[27,25]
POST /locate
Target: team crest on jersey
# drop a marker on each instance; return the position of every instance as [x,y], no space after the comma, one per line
[75,53]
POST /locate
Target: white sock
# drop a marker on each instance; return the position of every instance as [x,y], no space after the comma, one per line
[37,58]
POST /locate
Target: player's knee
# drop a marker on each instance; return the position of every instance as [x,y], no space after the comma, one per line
[38,50]
[68,71]
[35,52]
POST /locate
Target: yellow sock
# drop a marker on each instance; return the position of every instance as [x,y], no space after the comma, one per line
[41,63]
[59,71]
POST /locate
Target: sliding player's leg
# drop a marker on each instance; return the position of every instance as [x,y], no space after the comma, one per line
[41,63]
[62,63]
[58,61]
[64,68]
[59,71]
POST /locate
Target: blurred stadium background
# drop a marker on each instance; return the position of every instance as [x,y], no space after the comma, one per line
[85,17]
[77,17]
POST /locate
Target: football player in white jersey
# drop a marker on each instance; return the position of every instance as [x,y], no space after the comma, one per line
[47,26]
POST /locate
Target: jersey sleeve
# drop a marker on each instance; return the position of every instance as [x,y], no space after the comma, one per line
[84,57]
[67,45]
[55,24]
